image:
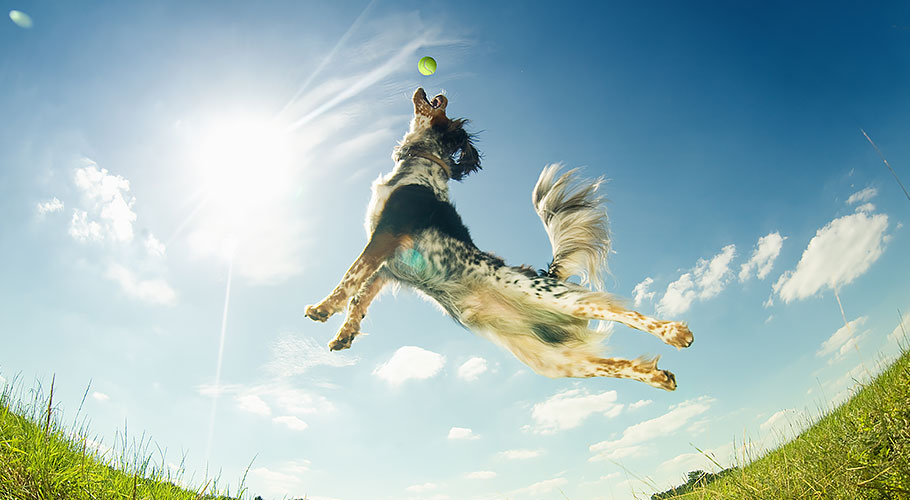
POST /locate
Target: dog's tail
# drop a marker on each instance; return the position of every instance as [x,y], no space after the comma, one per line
[575,218]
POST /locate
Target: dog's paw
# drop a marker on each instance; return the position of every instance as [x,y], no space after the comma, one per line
[339,343]
[678,335]
[663,379]
[319,313]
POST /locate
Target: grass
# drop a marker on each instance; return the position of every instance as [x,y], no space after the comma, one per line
[40,460]
[860,450]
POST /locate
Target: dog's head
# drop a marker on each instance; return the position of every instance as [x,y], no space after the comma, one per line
[433,132]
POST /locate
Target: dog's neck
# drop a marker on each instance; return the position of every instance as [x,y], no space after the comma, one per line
[433,158]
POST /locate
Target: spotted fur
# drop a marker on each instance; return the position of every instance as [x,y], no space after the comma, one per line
[418,239]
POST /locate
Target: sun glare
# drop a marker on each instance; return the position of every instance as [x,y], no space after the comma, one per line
[244,166]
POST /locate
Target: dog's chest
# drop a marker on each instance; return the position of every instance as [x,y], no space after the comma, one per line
[403,174]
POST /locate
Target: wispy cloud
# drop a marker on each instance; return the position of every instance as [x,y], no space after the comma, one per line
[291,422]
[153,291]
[462,433]
[843,340]
[541,487]
[766,252]
[480,474]
[49,207]
[471,369]
[100,396]
[287,479]
[641,292]
[420,488]
[278,393]
[635,436]
[862,196]
[901,332]
[840,252]
[704,281]
[253,403]
[410,362]
[569,409]
[294,354]
[519,454]
[640,404]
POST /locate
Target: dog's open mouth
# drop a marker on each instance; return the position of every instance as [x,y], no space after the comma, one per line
[438,103]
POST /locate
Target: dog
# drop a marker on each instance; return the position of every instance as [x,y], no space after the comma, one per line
[418,239]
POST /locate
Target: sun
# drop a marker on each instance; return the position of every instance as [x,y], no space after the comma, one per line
[244,166]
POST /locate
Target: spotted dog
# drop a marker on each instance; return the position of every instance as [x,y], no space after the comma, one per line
[417,238]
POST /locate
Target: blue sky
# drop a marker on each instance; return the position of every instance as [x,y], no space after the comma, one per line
[156,156]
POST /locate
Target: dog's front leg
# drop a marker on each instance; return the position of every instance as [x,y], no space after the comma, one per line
[357,310]
[382,245]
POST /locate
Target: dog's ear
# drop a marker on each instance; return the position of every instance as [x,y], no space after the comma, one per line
[464,154]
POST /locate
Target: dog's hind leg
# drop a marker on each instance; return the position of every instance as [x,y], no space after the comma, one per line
[382,245]
[556,361]
[600,306]
[644,370]
[357,310]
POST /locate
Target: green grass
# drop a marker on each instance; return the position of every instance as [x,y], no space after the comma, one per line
[40,460]
[860,450]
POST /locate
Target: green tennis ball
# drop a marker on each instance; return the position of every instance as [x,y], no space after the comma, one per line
[427,65]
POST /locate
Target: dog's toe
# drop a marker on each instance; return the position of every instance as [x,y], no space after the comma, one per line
[317,313]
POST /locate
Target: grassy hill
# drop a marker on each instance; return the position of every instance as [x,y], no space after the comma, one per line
[39,460]
[861,450]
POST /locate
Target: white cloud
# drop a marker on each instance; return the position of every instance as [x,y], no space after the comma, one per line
[640,292]
[519,454]
[686,462]
[2,380]
[100,396]
[843,340]
[410,362]
[292,422]
[780,417]
[462,433]
[154,247]
[664,425]
[472,368]
[481,474]
[50,207]
[420,488]
[294,354]
[866,207]
[839,253]
[679,296]
[713,275]
[861,196]
[155,291]
[108,205]
[253,404]
[287,480]
[279,393]
[640,404]
[766,252]
[901,332]
[568,409]
[704,281]
[544,486]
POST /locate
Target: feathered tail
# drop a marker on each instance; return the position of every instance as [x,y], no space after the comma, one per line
[575,218]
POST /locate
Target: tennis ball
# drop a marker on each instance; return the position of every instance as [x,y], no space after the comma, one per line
[427,65]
